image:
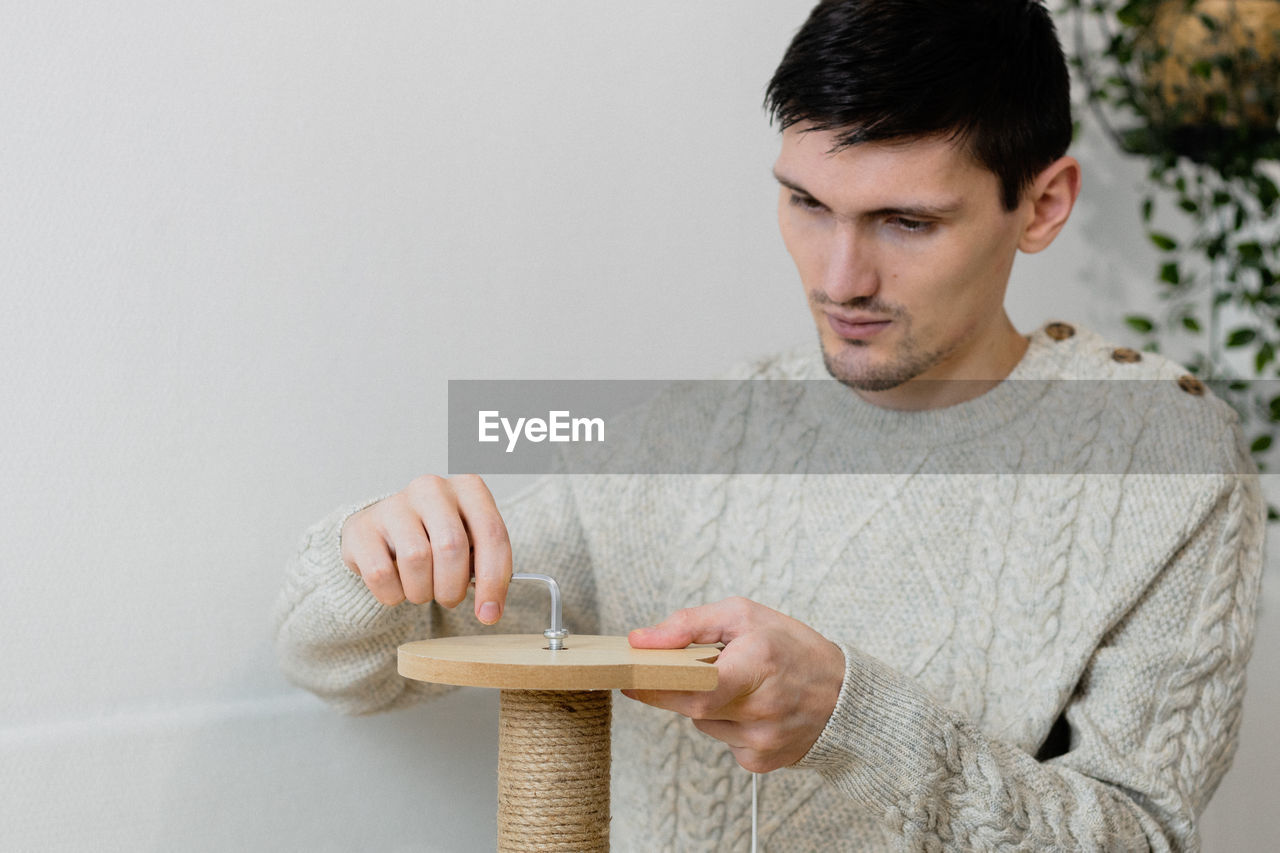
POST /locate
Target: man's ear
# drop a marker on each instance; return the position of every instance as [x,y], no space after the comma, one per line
[1052,196]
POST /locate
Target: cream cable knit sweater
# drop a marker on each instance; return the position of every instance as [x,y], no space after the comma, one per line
[974,611]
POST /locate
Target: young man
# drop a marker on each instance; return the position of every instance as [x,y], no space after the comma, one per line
[983,660]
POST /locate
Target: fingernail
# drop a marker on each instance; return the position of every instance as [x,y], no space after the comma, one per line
[489,612]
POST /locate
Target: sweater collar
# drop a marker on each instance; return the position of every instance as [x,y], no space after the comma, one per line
[842,414]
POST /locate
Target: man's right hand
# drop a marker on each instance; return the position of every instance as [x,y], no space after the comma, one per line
[425,543]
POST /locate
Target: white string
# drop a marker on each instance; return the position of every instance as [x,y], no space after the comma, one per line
[755,801]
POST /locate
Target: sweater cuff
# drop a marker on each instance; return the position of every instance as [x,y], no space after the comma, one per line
[343,590]
[876,747]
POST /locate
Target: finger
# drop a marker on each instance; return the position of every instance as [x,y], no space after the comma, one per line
[749,744]
[719,704]
[678,701]
[372,561]
[354,539]
[411,550]
[725,732]
[491,547]
[737,679]
[437,506]
[711,623]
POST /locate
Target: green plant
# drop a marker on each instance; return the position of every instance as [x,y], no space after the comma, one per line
[1193,86]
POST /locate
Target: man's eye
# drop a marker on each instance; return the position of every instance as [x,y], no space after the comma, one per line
[806,202]
[915,226]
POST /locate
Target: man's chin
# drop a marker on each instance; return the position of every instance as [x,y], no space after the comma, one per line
[862,377]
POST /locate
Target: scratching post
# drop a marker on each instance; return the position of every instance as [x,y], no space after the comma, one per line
[553,739]
[553,771]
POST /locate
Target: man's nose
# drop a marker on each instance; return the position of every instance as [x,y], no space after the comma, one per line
[850,271]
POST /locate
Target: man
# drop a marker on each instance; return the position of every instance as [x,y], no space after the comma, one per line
[1050,659]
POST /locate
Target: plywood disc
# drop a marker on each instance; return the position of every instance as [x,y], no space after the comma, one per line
[522,662]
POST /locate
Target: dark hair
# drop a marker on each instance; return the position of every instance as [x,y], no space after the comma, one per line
[987,73]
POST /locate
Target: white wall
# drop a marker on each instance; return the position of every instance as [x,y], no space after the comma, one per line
[243,245]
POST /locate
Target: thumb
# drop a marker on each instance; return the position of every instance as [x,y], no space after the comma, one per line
[710,623]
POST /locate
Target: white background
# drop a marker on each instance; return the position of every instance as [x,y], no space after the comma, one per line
[244,245]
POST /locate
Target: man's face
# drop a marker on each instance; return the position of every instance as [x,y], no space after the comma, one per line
[904,250]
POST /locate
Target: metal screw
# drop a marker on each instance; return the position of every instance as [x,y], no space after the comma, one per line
[556,633]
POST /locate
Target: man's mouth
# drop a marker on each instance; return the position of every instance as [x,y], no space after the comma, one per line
[856,327]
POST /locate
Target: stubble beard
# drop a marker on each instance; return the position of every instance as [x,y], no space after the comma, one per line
[908,359]
[910,362]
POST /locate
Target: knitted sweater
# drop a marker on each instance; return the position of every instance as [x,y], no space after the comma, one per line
[978,613]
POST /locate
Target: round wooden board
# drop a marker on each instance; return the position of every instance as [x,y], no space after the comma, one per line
[523,662]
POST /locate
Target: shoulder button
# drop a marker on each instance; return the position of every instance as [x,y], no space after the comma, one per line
[1191,385]
[1059,331]
[1124,355]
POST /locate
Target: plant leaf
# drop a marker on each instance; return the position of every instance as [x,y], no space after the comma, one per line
[1129,14]
[1268,192]
[1265,355]
[1250,253]
[1240,337]
[1141,324]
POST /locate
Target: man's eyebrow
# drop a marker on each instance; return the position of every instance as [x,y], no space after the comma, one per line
[790,184]
[922,211]
[918,211]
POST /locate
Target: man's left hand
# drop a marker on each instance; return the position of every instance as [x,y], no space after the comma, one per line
[778,680]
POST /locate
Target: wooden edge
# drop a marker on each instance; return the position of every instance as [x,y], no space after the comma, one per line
[520,662]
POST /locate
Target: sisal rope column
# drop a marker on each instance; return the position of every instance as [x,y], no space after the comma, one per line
[553,771]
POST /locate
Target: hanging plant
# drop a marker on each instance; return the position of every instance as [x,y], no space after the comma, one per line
[1193,86]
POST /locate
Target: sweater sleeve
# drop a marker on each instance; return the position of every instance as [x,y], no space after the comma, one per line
[1154,721]
[338,641]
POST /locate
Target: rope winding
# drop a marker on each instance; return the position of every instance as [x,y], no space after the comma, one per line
[553,771]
